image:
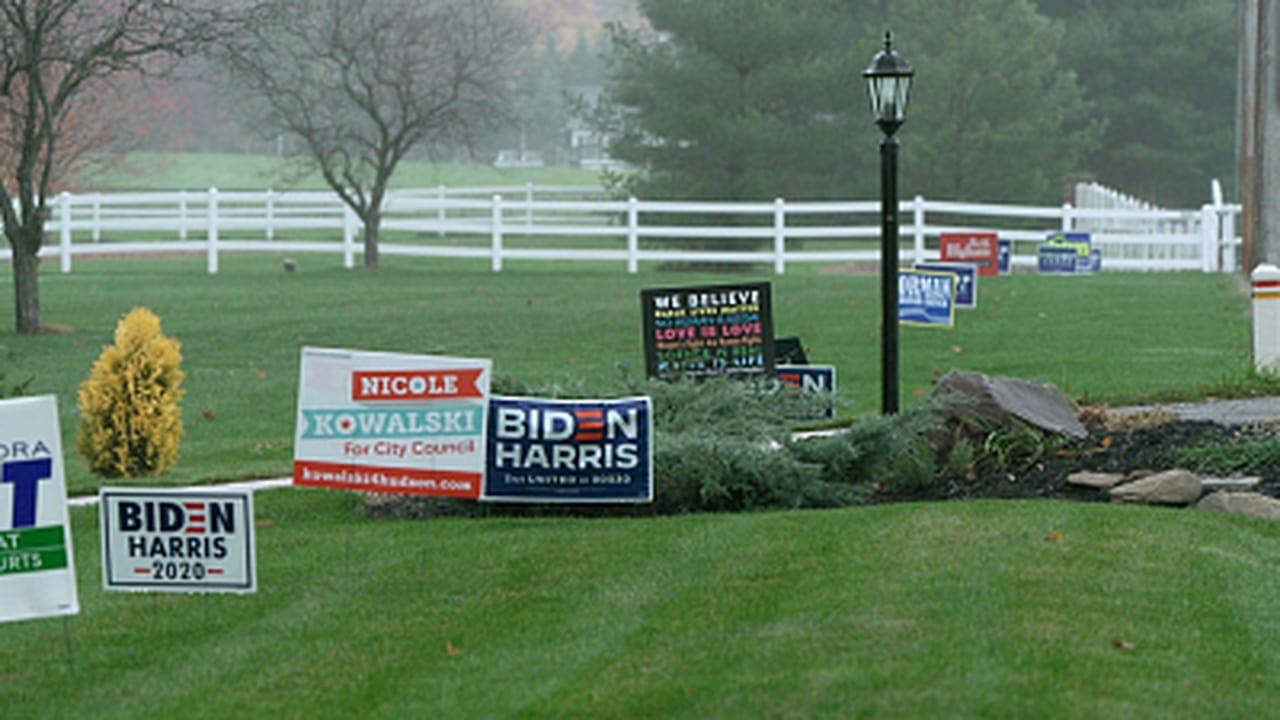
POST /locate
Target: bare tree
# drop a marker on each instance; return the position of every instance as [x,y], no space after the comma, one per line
[57,59]
[360,84]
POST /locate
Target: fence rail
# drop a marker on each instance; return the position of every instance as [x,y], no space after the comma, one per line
[570,223]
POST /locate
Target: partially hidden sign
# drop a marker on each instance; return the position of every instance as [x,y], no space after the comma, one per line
[977,248]
[966,280]
[391,422]
[570,450]
[37,570]
[708,330]
[178,540]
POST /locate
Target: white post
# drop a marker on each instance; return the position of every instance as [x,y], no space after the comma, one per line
[1208,239]
[1266,317]
[440,214]
[917,206]
[64,220]
[779,236]
[349,223]
[633,235]
[213,232]
[97,217]
[496,223]
[183,219]
[1067,219]
[271,215]
[528,205]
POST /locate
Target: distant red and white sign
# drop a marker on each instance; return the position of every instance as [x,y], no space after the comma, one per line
[981,249]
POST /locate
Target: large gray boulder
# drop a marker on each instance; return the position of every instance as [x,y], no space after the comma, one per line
[965,394]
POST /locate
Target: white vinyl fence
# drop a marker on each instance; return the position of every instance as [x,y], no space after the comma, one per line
[574,224]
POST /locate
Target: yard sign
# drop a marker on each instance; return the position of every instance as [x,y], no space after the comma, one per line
[977,248]
[176,540]
[391,422]
[543,450]
[37,572]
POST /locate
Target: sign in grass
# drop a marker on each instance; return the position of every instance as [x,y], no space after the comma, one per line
[192,541]
[570,450]
[966,280]
[976,248]
[926,298]
[708,330]
[37,569]
[391,422]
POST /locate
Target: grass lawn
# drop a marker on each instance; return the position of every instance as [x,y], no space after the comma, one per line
[977,609]
[962,609]
[1115,338]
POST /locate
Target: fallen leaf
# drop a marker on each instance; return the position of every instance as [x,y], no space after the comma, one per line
[264,522]
[1053,537]
[262,374]
[1106,441]
[1123,645]
[208,415]
[957,349]
[918,392]
[449,648]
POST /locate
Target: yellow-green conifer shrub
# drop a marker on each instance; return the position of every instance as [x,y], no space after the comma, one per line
[130,420]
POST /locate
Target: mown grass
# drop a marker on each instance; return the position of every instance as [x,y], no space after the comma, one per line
[1113,338]
[981,609]
[985,609]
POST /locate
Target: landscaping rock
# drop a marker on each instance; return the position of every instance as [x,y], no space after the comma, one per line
[1172,487]
[1097,480]
[967,393]
[1251,504]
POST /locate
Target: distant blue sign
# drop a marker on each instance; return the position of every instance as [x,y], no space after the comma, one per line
[926,298]
[569,450]
[1057,260]
[1005,256]
[966,280]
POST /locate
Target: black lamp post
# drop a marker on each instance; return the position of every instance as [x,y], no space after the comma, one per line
[889,81]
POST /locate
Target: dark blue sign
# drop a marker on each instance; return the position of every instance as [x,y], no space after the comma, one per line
[1057,260]
[966,280]
[569,450]
[1005,255]
[926,298]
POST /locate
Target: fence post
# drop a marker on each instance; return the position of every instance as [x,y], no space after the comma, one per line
[271,214]
[348,237]
[528,205]
[64,220]
[496,223]
[633,235]
[779,236]
[1209,245]
[97,217]
[440,213]
[183,218]
[212,238]
[1227,238]
[917,217]
[1068,217]
[1266,316]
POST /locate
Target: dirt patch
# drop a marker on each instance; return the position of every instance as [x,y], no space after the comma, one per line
[1104,451]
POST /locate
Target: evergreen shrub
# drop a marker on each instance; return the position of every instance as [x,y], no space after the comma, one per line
[130,417]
